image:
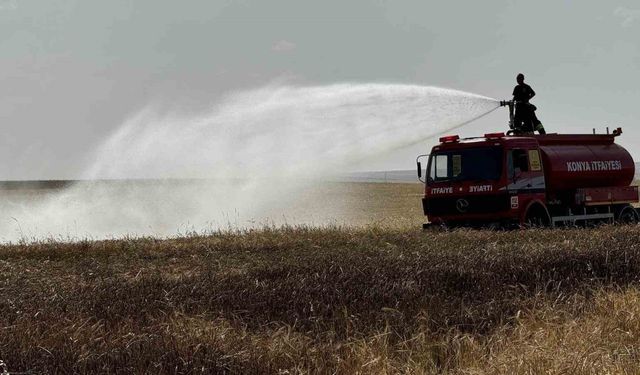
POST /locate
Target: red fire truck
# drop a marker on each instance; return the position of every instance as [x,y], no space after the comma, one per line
[542,180]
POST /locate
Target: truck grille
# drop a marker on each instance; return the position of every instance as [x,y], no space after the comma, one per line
[475,204]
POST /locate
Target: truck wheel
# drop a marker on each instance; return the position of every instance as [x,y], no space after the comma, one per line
[627,215]
[537,216]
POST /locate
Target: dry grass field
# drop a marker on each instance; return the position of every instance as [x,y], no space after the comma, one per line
[380,296]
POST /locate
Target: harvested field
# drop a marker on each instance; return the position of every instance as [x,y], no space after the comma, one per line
[383,297]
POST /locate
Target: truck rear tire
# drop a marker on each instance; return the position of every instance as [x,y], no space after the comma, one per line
[627,214]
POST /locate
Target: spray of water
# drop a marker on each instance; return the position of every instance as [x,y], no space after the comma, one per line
[250,155]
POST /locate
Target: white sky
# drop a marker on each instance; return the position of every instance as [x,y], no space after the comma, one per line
[72,71]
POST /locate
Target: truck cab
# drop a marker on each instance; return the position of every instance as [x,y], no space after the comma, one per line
[507,181]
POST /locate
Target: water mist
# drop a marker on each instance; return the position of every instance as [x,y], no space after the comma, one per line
[240,164]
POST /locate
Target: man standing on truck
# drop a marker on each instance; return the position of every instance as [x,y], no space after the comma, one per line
[525,118]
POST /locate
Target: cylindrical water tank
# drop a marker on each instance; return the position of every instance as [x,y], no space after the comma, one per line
[570,164]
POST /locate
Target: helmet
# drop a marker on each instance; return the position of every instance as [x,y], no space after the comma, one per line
[520,77]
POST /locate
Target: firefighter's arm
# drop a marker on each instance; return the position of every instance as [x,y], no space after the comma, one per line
[532,93]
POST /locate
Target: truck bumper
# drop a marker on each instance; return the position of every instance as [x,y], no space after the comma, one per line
[482,211]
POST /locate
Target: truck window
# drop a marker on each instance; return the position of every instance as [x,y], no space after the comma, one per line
[442,166]
[466,164]
[519,160]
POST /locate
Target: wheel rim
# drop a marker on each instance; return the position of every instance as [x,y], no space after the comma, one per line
[628,216]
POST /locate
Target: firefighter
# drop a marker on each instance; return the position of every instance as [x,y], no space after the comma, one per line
[525,120]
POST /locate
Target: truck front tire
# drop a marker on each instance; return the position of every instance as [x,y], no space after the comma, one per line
[537,216]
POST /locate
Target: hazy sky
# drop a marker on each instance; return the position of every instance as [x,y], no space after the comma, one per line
[72,71]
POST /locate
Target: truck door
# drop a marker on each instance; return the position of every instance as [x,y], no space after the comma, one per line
[526,178]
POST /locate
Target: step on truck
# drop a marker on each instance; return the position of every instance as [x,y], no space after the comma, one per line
[521,180]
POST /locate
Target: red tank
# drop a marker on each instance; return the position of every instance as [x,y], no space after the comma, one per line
[583,161]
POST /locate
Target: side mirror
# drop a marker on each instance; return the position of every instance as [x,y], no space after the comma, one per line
[419,165]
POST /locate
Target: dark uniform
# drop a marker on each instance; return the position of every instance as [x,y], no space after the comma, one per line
[525,117]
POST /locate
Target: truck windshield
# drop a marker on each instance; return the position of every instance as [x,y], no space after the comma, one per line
[466,164]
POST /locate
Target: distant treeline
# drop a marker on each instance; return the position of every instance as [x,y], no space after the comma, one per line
[62,184]
[35,185]
[382,176]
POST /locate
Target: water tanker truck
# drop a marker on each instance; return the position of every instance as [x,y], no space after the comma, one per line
[520,180]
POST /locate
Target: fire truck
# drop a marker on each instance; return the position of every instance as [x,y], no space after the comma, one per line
[503,180]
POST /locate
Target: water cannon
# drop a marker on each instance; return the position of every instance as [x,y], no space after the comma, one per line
[510,104]
[617,132]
